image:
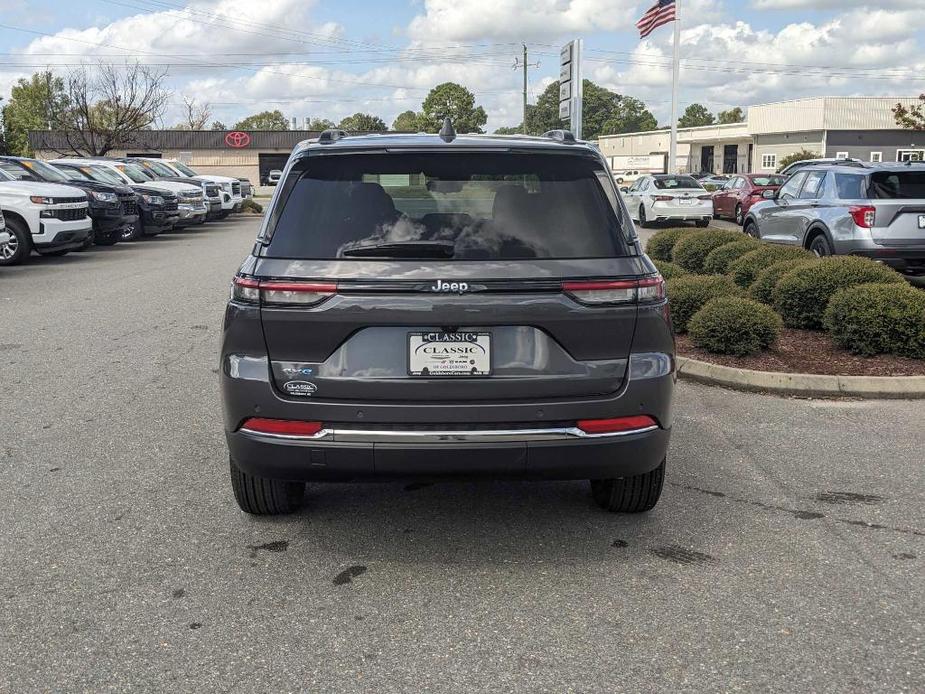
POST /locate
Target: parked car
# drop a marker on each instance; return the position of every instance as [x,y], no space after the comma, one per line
[49,218]
[160,171]
[247,190]
[157,208]
[792,168]
[629,176]
[523,333]
[230,194]
[713,181]
[191,207]
[738,194]
[668,197]
[874,210]
[112,207]
[274,176]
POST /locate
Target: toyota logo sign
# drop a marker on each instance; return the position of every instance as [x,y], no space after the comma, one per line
[237,139]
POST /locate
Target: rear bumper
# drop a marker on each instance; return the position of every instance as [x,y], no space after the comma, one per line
[906,260]
[661,211]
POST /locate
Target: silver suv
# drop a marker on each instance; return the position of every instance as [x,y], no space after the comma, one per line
[874,210]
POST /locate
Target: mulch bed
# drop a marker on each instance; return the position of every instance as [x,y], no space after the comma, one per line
[809,352]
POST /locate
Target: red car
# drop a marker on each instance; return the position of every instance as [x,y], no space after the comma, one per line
[740,192]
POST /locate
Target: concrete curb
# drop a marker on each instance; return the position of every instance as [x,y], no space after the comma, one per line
[807,385]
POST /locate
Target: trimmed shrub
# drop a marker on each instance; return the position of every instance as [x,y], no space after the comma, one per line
[734,325]
[717,260]
[801,296]
[763,286]
[745,270]
[669,270]
[873,319]
[660,245]
[691,250]
[688,294]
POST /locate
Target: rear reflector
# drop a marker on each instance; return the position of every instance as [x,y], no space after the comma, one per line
[616,425]
[281,427]
[863,215]
[704,197]
[273,292]
[616,291]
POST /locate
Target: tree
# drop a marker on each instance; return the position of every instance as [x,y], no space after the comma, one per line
[218,125]
[265,120]
[27,110]
[516,130]
[106,107]
[628,115]
[912,117]
[320,124]
[453,101]
[363,122]
[544,115]
[802,155]
[407,122]
[196,114]
[696,115]
[733,115]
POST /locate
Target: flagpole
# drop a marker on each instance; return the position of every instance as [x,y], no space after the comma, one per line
[676,70]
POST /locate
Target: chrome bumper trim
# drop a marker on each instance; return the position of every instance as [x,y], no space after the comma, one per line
[473,436]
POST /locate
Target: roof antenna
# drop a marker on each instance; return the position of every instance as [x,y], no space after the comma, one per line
[447,133]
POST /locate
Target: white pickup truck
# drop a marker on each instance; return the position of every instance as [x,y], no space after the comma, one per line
[232,188]
[50,218]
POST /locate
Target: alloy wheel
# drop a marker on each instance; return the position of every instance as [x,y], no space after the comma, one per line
[10,247]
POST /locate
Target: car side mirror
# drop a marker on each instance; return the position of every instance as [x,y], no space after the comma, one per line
[769,194]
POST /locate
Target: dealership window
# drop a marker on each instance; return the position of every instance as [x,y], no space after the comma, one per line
[876,157]
[768,161]
[841,155]
[910,155]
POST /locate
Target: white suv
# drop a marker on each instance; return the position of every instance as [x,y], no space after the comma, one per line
[48,217]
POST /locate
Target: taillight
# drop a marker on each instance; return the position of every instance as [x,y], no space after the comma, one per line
[663,198]
[273,292]
[617,425]
[863,215]
[704,197]
[281,427]
[643,290]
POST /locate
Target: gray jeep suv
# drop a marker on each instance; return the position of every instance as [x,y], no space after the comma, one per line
[437,306]
[873,210]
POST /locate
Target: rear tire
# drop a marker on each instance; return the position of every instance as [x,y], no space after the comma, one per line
[635,494]
[752,230]
[820,246]
[265,497]
[18,248]
[133,232]
[642,217]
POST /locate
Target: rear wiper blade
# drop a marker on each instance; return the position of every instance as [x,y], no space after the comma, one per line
[403,249]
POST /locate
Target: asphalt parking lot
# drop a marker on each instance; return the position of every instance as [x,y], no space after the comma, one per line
[786,553]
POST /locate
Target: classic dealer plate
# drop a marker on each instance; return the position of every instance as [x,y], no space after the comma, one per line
[449,354]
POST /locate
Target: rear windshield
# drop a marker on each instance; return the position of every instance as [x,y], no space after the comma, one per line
[669,182]
[768,180]
[468,206]
[898,184]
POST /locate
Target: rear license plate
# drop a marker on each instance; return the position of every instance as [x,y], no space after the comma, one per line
[449,354]
[686,201]
[922,221]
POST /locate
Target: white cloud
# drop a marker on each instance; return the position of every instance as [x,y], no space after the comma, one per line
[829,4]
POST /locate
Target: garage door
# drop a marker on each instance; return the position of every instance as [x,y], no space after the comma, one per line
[268,162]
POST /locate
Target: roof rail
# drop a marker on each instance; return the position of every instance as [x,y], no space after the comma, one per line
[564,136]
[331,135]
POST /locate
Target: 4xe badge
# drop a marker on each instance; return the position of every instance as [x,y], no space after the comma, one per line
[303,389]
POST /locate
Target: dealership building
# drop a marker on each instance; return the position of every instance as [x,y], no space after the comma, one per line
[860,127]
[248,154]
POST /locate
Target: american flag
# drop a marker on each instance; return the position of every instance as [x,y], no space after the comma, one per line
[660,13]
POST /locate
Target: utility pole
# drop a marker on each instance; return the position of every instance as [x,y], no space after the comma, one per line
[525,65]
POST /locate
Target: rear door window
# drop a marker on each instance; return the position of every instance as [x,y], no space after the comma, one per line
[850,187]
[482,206]
[891,185]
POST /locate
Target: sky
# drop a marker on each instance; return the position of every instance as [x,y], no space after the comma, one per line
[329,59]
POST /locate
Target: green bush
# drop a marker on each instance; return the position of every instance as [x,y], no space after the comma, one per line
[691,250]
[717,260]
[734,325]
[872,319]
[250,206]
[801,296]
[688,294]
[763,286]
[745,270]
[660,245]
[669,270]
